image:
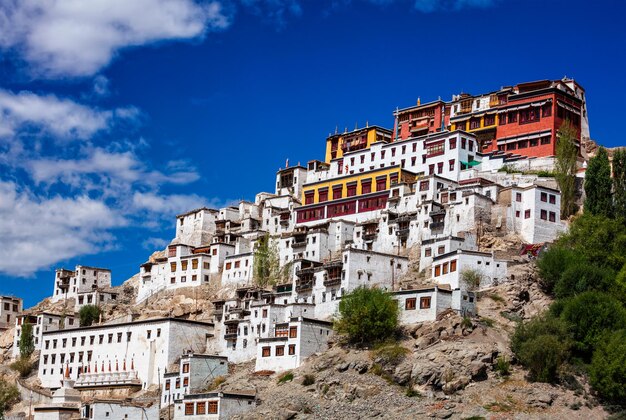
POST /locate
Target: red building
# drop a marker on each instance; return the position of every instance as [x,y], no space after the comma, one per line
[420,119]
[523,119]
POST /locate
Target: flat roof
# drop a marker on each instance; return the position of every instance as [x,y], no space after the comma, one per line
[123,324]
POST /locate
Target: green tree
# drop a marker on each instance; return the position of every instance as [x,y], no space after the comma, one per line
[27,342]
[589,315]
[607,372]
[565,167]
[582,276]
[552,263]
[267,270]
[598,185]
[9,395]
[619,182]
[598,239]
[542,346]
[367,316]
[88,315]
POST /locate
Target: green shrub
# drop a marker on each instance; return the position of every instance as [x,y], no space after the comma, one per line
[285,377]
[488,322]
[471,278]
[496,298]
[390,353]
[581,277]
[27,342]
[552,263]
[589,315]
[466,323]
[608,367]
[9,395]
[503,366]
[411,392]
[541,345]
[23,365]
[367,316]
[88,315]
[308,380]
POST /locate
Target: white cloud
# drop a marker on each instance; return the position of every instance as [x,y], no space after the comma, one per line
[110,172]
[60,117]
[154,243]
[170,204]
[37,232]
[77,38]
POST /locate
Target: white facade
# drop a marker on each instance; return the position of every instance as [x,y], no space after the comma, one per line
[84,279]
[41,323]
[448,268]
[114,409]
[533,212]
[144,348]
[10,308]
[195,373]
[291,343]
[214,405]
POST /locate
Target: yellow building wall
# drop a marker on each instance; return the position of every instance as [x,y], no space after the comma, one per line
[349,179]
[371,138]
[482,124]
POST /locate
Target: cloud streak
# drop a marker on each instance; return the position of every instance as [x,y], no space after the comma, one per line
[76,38]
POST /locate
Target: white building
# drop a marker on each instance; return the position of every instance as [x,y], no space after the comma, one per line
[221,405]
[427,302]
[449,268]
[115,409]
[84,279]
[291,343]
[119,354]
[533,212]
[10,308]
[194,373]
[41,322]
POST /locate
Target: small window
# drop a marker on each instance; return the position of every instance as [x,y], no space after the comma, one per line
[265,352]
[409,303]
[280,350]
[212,407]
[292,349]
[189,409]
[527,214]
[425,302]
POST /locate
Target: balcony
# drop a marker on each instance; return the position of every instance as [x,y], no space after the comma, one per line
[369,236]
[298,244]
[436,225]
[304,286]
[403,233]
[230,335]
[332,281]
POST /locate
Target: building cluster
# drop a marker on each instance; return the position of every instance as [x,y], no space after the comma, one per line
[427,186]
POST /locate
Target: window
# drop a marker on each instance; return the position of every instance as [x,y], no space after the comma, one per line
[173,267]
[212,407]
[351,190]
[552,216]
[119,337]
[264,313]
[544,215]
[201,408]
[545,140]
[490,120]
[158,332]
[452,266]
[309,197]
[445,268]
[186,381]
[381,184]
[451,163]
[101,339]
[184,265]
[293,332]
[366,186]
[425,302]
[337,192]
[189,409]
[186,368]
[427,252]
[409,303]
[292,349]
[512,117]
[552,199]
[544,197]
[437,271]
[194,263]
[527,214]
[518,197]
[280,350]
[424,185]
[501,119]
[149,334]
[110,338]
[265,352]
[441,249]
[452,143]
[517,213]
[463,143]
[167,385]
[474,123]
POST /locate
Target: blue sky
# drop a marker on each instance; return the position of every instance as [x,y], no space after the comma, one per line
[116,115]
